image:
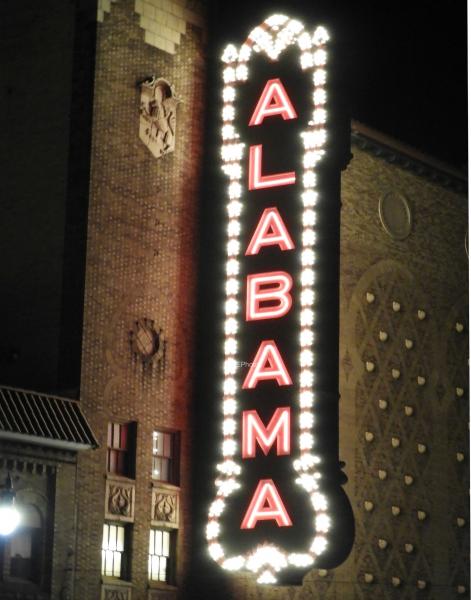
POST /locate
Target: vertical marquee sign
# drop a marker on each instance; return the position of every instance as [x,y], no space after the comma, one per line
[273,511]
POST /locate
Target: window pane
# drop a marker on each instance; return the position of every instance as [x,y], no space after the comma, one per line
[163,569]
[167,445]
[151,541]
[117,564]
[124,437]
[164,470]
[166,543]
[104,544]
[112,538]
[158,542]
[155,567]
[120,468]
[156,470]
[120,540]
[108,562]
[116,435]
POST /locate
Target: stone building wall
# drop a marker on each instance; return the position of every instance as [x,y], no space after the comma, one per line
[140,284]
[404,391]
[45,483]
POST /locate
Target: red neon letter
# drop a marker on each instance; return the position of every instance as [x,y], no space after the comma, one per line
[258,181]
[273,101]
[270,231]
[267,364]
[254,431]
[266,505]
[268,287]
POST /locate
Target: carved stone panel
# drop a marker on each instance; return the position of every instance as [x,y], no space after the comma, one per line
[158,116]
[115,592]
[119,500]
[165,507]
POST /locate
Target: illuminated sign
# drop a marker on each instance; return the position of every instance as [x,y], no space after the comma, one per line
[272,508]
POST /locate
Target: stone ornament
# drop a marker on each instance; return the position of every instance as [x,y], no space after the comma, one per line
[370,298]
[147,343]
[368,505]
[396,306]
[383,336]
[369,577]
[421,314]
[396,581]
[395,510]
[115,592]
[165,507]
[395,215]
[382,544]
[369,366]
[119,501]
[157,121]
[409,548]
[409,344]
[383,404]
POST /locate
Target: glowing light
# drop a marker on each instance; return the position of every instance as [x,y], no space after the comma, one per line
[275,35]
[216,551]
[10,518]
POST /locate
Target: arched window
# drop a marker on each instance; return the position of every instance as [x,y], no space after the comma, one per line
[25,546]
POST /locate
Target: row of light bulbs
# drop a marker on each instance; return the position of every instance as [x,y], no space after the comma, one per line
[272,37]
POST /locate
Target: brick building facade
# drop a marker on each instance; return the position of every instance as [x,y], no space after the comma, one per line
[403,335]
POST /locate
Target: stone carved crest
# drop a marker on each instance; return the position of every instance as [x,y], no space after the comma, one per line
[165,507]
[157,120]
[120,501]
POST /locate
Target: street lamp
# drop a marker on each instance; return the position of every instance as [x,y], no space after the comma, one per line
[9,515]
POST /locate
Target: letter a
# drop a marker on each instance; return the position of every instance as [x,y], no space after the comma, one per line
[267,364]
[270,231]
[266,505]
[273,101]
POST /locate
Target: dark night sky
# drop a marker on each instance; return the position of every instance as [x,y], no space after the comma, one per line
[405,62]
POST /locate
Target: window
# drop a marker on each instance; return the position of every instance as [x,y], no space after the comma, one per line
[165,457]
[120,455]
[160,555]
[23,552]
[113,550]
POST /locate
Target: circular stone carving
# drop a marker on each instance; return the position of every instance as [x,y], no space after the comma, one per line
[395,215]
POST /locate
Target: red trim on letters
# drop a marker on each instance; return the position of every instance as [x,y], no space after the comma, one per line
[268,287]
[273,101]
[266,505]
[266,365]
[270,231]
[254,432]
[258,181]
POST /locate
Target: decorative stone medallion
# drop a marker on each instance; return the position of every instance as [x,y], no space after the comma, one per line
[147,343]
[395,215]
[165,507]
[157,120]
[119,500]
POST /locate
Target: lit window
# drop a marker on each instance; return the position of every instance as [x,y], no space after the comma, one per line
[113,550]
[160,555]
[120,448]
[164,457]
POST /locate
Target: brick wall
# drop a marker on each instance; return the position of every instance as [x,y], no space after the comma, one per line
[140,269]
